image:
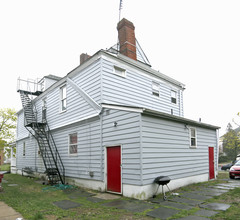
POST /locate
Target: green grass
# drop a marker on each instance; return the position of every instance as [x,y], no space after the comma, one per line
[29,198]
[5,167]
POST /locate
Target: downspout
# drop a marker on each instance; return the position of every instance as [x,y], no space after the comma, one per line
[101,120]
[217,144]
[141,151]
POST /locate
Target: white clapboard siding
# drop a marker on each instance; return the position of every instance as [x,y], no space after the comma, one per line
[29,160]
[89,153]
[125,134]
[22,132]
[135,89]
[166,149]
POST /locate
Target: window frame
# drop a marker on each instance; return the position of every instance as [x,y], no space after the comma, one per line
[174,99]
[62,98]
[155,89]
[44,109]
[118,69]
[72,144]
[192,137]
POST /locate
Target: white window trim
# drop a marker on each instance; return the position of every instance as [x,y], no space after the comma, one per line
[119,69]
[190,137]
[154,90]
[172,90]
[44,108]
[61,99]
[73,154]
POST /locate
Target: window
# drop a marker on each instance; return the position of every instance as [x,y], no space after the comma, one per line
[24,148]
[155,89]
[73,142]
[193,137]
[63,91]
[119,71]
[174,97]
[44,110]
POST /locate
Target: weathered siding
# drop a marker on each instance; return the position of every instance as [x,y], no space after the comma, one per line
[125,134]
[22,132]
[88,157]
[29,160]
[136,90]
[167,152]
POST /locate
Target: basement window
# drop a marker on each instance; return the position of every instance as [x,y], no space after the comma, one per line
[155,89]
[73,143]
[119,71]
[193,137]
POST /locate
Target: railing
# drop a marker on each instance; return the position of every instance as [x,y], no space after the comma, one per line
[29,85]
[56,155]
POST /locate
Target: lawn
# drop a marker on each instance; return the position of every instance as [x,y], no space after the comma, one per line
[5,167]
[35,201]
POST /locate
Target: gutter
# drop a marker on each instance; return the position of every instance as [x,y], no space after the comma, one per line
[178,119]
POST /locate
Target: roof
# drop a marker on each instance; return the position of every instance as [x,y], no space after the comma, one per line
[50,76]
[160,115]
[140,53]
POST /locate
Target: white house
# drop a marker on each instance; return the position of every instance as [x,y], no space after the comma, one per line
[114,124]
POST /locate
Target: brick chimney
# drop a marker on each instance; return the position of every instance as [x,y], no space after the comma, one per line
[83,58]
[127,40]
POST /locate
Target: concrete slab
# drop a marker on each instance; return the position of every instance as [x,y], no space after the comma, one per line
[94,199]
[227,185]
[192,217]
[107,196]
[13,184]
[77,194]
[190,202]
[163,213]
[8,213]
[220,187]
[176,205]
[66,204]
[215,206]
[130,205]
[210,192]
[192,195]
[205,212]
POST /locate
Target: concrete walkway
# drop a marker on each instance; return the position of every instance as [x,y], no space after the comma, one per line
[8,213]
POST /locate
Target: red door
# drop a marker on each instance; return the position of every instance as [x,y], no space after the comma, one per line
[114,169]
[211,162]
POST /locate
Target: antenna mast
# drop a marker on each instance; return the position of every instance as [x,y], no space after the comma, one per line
[120,8]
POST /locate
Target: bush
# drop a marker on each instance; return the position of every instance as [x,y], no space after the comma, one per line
[223,159]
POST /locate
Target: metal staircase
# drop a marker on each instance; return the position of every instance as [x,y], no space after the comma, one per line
[40,130]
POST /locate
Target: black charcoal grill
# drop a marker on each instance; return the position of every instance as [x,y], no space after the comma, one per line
[162,180]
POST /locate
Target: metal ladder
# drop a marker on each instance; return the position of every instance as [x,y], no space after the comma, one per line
[41,132]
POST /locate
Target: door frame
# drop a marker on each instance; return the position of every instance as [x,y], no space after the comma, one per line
[105,169]
[213,148]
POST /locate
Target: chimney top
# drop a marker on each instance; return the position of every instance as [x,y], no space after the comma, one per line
[84,57]
[127,40]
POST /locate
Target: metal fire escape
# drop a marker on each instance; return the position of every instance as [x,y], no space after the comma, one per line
[40,130]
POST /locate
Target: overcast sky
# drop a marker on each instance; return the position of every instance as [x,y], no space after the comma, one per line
[196,42]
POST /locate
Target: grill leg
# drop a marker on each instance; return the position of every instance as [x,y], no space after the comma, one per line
[164,196]
[156,192]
